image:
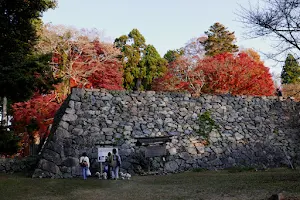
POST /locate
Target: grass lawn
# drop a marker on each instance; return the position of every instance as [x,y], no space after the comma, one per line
[184,186]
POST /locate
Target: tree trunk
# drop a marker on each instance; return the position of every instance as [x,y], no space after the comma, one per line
[4,112]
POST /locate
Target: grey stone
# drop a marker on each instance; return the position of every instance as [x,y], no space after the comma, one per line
[192,150]
[216,162]
[108,131]
[200,149]
[218,150]
[128,128]
[95,129]
[70,110]
[172,151]
[171,166]
[62,133]
[107,97]
[77,131]
[64,125]
[252,131]
[168,120]
[75,97]
[77,105]
[52,156]
[49,167]
[251,127]
[185,155]
[69,117]
[238,136]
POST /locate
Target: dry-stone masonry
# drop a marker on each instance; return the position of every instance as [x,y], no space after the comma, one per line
[252,131]
[11,165]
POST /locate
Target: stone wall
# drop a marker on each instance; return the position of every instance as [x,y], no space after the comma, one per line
[12,165]
[251,131]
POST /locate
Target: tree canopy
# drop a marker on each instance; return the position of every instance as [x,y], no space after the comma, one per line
[79,59]
[221,74]
[219,40]
[291,71]
[173,55]
[142,63]
[20,68]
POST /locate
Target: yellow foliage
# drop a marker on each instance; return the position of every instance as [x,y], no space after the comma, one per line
[291,90]
[253,54]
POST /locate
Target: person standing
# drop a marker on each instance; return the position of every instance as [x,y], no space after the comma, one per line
[278,92]
[115,163]
[108,165]
[84,162]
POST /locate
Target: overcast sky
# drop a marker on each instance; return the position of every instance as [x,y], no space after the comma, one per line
[167,24]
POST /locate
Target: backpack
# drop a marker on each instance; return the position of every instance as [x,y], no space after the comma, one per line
[83,163]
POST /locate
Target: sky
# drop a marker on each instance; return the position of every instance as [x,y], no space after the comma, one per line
[166,24]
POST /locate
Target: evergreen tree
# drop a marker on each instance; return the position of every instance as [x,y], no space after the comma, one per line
[173,55]
[154,66]
[219,40]
[141,62]
[21,70]
[290,71]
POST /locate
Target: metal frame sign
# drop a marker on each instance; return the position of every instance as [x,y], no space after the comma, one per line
[102,153]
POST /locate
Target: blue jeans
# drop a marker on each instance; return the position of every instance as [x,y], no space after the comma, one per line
[115,172]
[84,169]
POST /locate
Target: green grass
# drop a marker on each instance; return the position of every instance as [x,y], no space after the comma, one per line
[184,186]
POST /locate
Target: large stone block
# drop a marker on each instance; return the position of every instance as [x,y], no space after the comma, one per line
[69,117]
[171,166]
[48,166]
[52,156]
[62,133]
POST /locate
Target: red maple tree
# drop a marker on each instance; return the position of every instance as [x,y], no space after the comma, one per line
[79,62]
[221,74]
[236,75]
[180,76]
[89,64]
[31,119]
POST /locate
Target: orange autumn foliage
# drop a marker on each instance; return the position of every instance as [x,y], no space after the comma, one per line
[236,75]
[80,63]
[222,74]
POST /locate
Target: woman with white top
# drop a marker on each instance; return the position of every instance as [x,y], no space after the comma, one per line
[84,162]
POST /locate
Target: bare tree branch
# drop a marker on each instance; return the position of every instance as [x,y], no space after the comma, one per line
[275,19]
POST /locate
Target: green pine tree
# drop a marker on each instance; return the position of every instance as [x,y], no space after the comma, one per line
[291,71]
[219,40]
[142,63]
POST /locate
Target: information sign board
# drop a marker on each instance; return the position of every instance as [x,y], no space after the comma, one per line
[102,153]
